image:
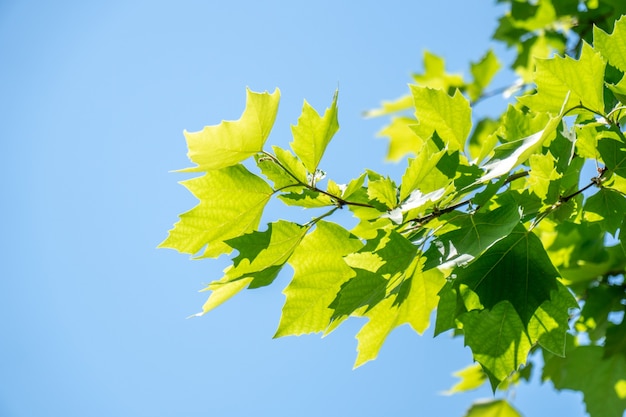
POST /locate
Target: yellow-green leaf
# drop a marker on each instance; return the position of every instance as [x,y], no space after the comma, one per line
[231,142]
[313,133]
[232,200]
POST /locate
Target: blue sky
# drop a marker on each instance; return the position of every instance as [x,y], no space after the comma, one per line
[94,97]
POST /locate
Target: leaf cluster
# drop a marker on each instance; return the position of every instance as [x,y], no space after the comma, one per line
[496,224]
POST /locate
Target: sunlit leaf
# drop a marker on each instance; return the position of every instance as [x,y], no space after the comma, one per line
[231,142]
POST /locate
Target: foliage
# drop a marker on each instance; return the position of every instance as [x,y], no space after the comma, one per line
[496,224]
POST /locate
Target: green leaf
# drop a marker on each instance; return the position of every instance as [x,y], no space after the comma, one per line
[319,272]
[291,164]
[516,269]
[449,116]
[389,107]
[550,322]
[419,168]
[517,124]
[556,78]
[473,235]
[232,200]
[435,75]
[383,190]
[471,377]
[483,140]
[607,207]
[613,46]
[498,340]
[413,308]
[483,72]
[601,380]
[613,153]
[313,133]
[492,408]
[230,142]
[402,139]
[511,154]
[260,251]
[306,198]
[542,174]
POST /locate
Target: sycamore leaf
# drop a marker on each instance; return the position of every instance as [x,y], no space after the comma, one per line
[307,198]
[319,271]
[231,142]
[519,124]
[313,133]
[419,168]
[613,46]
[483,140]
[492,408]
[394,106]
[483,72]
[402,139]
[232,200]
[435,75]
[260,251]
[383,190]
[471,377]
[542,174]
[550,323]
[613,153]
[601,380]
[414,307]
[474,234]
[516,269]
[607,207]
[449,116]
[498,340]
[511,154]
[557,77]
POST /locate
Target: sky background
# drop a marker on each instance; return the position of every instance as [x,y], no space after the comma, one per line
[94,97]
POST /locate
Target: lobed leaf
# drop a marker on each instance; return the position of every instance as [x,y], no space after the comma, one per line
[230,142]
[232,200]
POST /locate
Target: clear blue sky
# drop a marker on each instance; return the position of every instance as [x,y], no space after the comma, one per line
[94,97]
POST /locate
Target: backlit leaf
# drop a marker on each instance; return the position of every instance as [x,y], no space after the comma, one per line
[313,133]
[450,116]
[231,142]
[319,271]
[232,200]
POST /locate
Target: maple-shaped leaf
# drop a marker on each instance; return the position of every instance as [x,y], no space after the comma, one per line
[232,200]
[412,304]
[435,75]
[550,323]
[517,124]
[385,191]
[492,408]
[483,72]
[607,207]
[319,271]
[509,155]
[313,133]
[498,340]
[473,234]
[601,380]
[613,46]
[402,138]
[556,77]
[542,174]
[391,106]
[283,169]
[613,153]
[231,142]
[516,269]
[471,377]
[449,116]
[260,259]
[419,168]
